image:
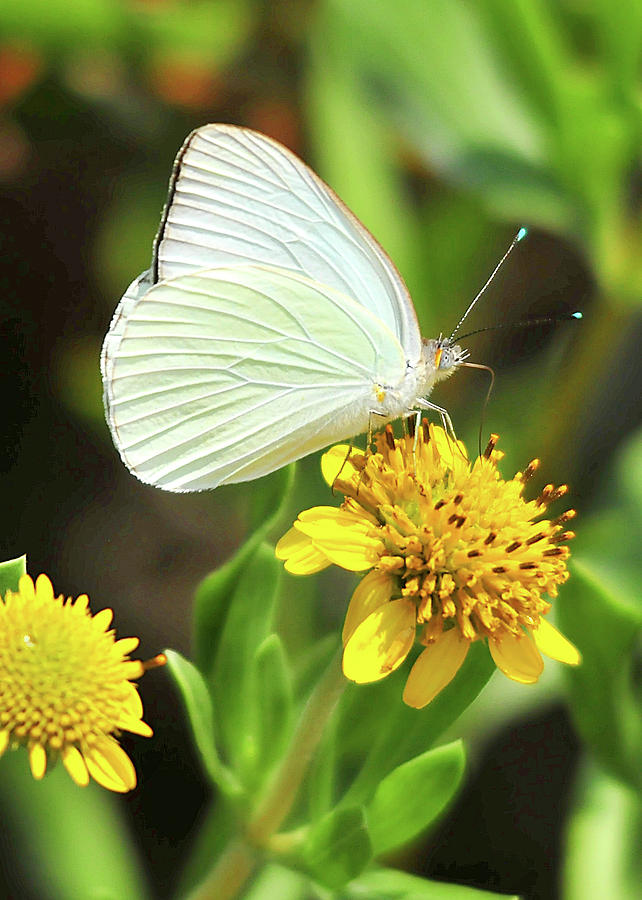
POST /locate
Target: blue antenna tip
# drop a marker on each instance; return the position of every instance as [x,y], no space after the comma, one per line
[577,315]
[521,234]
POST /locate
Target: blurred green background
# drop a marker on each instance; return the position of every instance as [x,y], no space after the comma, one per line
[444,125]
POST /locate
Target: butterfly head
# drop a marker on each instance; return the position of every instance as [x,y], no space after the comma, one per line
[443,357]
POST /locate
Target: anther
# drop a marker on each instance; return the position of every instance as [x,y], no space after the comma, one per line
[426,430]
[460,521]
[499,570]
[453,518]
[472,553]
[528,565]
[490,446]
[554,551]
[514,546]
[491,537]
[457,500]
[390,438]
[563,536]
[412,423]
[536,537]
[530,470]
[439,504]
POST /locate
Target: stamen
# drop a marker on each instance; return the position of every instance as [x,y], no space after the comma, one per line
[457,500]
[528,565]
[155,662]
[490,446]
[472,553]
[564,536]
[498,570]
[536,537]
[514,546]
[491,537]
[412,425]
[390,438]
[439,504]
[555,551]
[565,517]
[426,430]
[530,470]
[545,496]
[460,521]
[453,518]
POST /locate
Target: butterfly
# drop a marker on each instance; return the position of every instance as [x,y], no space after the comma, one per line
[270,324]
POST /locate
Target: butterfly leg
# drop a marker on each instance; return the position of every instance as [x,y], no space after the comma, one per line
[446,421]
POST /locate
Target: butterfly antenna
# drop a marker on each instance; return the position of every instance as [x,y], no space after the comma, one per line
[521,234]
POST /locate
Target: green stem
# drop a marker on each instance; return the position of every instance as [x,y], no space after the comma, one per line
[281,793]
[242,855]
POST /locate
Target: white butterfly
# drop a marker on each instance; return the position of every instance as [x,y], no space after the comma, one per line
[270,324]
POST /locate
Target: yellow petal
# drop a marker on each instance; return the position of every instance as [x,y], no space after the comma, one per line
[125,646]
[37,761]
[517,657]
[344,538]
[373,591]
[75,764]
[299,553]
[4,741]
[553,643]
[44,589]
[337,461]
[26,588]
[435,668]
[136,726]
[381,642]
[102,620]
[110,766]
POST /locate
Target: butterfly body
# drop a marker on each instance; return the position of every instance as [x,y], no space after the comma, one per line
[270,324]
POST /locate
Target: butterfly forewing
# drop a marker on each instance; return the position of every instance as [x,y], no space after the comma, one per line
[238,197]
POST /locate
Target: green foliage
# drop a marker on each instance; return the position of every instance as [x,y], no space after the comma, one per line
[198,708]
[391,884]
[394,733]
[57,828]
[413,795]
[603,840]
[205,29]
[214,595]
[10,572]
[338,847]
[604,702]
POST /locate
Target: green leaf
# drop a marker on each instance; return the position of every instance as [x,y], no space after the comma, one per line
[54,829]
[413,795]
[198,706]
[603,840]
[10,572]
[604,705]
[214,594]
[337,847]
[391,884]
[248,621]
[395,732]
[272,702]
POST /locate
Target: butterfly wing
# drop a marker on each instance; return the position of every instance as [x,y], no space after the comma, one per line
[239,197]
[226,374]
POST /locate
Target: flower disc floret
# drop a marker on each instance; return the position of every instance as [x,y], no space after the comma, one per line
[454,554]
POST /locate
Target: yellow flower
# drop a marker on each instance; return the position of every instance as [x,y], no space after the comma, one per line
[65,685]
[454,555]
